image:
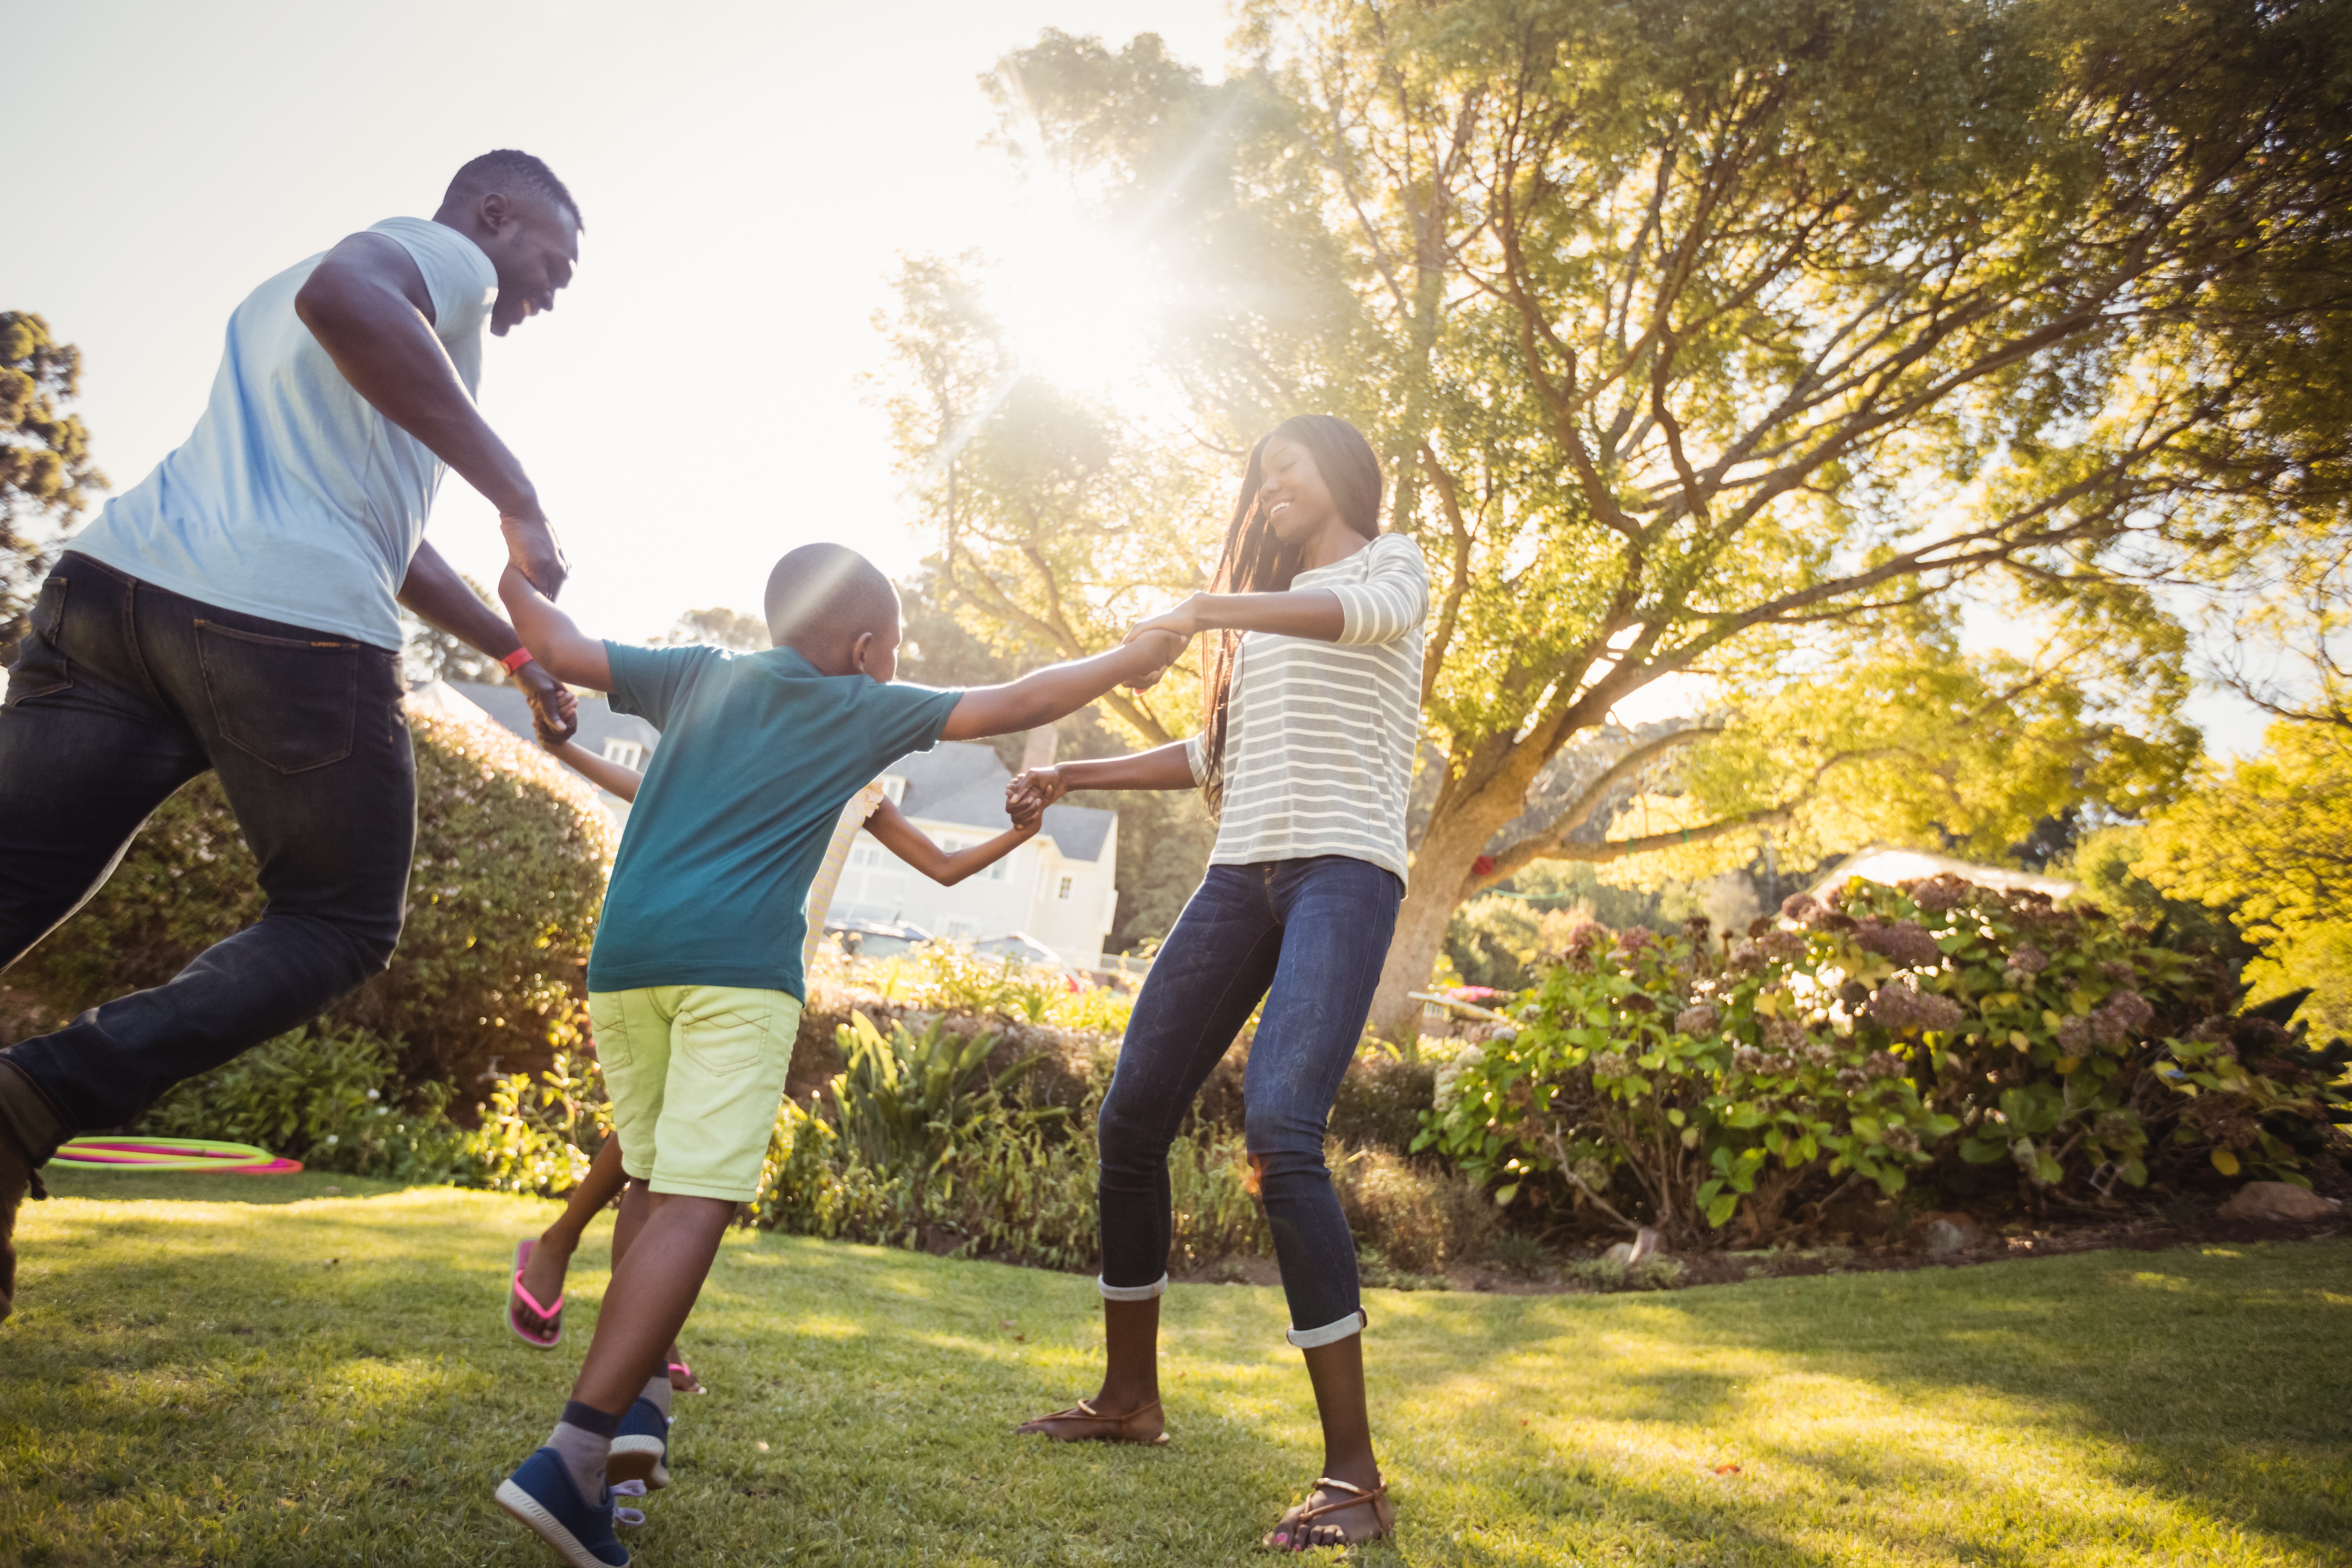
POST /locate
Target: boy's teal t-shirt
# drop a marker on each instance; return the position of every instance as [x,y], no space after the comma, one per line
[759,754]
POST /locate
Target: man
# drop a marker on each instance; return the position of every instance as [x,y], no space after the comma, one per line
[236,612]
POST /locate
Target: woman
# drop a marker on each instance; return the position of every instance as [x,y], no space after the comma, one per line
[1312,699]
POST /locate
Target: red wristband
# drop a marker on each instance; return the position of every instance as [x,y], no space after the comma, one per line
[516,659]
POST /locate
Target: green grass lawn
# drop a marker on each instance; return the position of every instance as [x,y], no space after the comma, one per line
[255,1372]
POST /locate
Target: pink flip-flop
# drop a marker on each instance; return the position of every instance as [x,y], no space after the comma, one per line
[546,1339]
[678,1369]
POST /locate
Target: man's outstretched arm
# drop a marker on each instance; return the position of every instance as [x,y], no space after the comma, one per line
[570,655]
[439,597]
[367,305]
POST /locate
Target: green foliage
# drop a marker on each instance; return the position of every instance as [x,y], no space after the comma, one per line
[907,1100]
[46,471]
[508,876]
[1419,1217]
[1700,1086]
[920,1149]
[949,978]
[2270,839]
[1492,940]
[333,1100]
[539,1131]
[2102,863]
[1905,738]
[329,1097]
[1899,1030]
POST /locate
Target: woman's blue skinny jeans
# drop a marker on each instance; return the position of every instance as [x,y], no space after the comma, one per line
[1309,937]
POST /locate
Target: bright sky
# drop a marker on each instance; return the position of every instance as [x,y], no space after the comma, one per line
[694,408]
[749,174]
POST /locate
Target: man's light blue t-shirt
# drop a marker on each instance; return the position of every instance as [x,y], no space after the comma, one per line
[295,499]
[759,754]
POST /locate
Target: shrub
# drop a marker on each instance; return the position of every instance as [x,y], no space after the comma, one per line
[1423,1219]
[511,855]
[1943,1020]
[326,1098]
[539,1131]
[1381,1099]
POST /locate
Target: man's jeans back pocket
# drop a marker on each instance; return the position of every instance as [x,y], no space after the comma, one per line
[291,703]
[40,668]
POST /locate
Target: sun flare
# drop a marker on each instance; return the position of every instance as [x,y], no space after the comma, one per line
[1074,301]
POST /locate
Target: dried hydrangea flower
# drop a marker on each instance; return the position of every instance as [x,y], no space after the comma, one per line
[1905,942]
[2025,962]
[1901,1008]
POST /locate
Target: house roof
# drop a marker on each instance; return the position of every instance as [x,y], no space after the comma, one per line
[598,723]
[955,781]
[1891,865]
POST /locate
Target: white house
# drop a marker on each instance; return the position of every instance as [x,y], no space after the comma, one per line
[1058,889]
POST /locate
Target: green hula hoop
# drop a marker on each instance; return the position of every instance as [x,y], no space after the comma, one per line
[129,1152]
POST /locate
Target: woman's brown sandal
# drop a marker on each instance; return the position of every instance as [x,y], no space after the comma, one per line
[1289,1535]
[1082,1423]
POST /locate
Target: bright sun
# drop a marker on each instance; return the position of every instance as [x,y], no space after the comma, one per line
[1075,300]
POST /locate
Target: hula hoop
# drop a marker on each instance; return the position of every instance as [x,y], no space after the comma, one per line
[172,1154]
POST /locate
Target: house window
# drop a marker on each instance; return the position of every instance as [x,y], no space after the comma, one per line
[894,789]
[996,873]
[959,931]
[629,754]
[1066,884]
[863,853]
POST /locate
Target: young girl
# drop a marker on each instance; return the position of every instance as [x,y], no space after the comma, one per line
[535,1297]
[1313,696]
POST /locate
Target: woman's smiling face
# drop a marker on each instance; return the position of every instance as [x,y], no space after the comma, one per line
[1291,493]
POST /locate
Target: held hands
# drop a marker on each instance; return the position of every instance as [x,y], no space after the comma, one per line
[1171,640]
[1026,797]
[533,551]
[1183,618]
[554,711]
[1180,622]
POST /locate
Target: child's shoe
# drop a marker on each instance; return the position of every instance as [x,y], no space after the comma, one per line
[641,1447]
[540,1495]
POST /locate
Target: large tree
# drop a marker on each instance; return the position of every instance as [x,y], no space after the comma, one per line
[1696,337]
[46,474]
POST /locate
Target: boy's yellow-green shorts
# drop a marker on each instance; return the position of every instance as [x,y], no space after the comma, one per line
[695,1073]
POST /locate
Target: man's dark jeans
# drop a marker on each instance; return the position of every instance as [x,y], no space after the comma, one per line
[122,692]
[1308,936]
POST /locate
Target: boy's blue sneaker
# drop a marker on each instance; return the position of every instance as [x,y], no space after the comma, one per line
[541,1494]
[641,1447]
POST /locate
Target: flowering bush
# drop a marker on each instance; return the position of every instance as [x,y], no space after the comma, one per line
[1867,1040]
[1709,1088]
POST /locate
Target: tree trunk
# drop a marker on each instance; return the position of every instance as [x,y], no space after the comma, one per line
[1441,870]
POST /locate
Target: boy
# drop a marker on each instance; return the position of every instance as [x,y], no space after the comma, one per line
[695,984]
[535,1294]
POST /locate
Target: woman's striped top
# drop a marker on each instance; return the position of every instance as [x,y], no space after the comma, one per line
[1319,737]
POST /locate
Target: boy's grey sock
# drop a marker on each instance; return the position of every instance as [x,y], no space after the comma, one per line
[657,1389]
[583,1440]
